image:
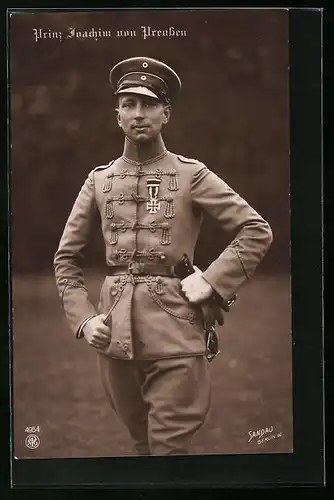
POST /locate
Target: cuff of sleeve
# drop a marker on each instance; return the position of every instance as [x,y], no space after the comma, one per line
[221,300]
[207,277]
[80,333]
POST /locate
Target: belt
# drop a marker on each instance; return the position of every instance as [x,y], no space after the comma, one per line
[141,268]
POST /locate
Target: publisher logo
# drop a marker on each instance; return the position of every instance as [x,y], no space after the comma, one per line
[32,441]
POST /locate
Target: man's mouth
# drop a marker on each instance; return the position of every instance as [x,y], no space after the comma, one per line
[140,127]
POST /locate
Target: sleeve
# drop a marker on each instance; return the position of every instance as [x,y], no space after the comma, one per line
[80,333]
[68,260]
[252,235]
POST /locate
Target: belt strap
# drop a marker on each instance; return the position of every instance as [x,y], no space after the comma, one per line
[141,268]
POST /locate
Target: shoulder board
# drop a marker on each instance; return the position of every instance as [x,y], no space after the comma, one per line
[101,167]
[187,160]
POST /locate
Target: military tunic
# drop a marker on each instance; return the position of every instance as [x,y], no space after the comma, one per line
[151,212]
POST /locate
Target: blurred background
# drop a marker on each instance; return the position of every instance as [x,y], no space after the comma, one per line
[232,114]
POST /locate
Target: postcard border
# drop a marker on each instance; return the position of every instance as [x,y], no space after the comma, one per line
[306,465]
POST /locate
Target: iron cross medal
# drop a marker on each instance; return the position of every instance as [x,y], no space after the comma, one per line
[153,205]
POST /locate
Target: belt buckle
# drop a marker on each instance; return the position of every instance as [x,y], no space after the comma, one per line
[135,268]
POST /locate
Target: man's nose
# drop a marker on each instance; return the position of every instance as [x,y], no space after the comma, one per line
[139,110]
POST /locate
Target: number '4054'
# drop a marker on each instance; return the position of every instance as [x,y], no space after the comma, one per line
[32,429]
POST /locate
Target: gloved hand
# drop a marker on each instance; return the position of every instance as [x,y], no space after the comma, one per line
[212,313]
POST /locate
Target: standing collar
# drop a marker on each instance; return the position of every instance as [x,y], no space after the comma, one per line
[145,152]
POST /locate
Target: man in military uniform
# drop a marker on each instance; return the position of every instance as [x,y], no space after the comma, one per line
[148,329]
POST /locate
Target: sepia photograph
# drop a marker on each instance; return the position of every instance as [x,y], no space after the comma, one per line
[150,233]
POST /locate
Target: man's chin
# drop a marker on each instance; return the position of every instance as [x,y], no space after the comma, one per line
[141,138]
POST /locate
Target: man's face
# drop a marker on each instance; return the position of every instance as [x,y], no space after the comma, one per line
[141,117]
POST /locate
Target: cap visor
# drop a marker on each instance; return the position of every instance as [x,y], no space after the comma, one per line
[138,90]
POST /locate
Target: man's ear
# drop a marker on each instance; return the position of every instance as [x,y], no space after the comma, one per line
[167,113]
[118,117]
